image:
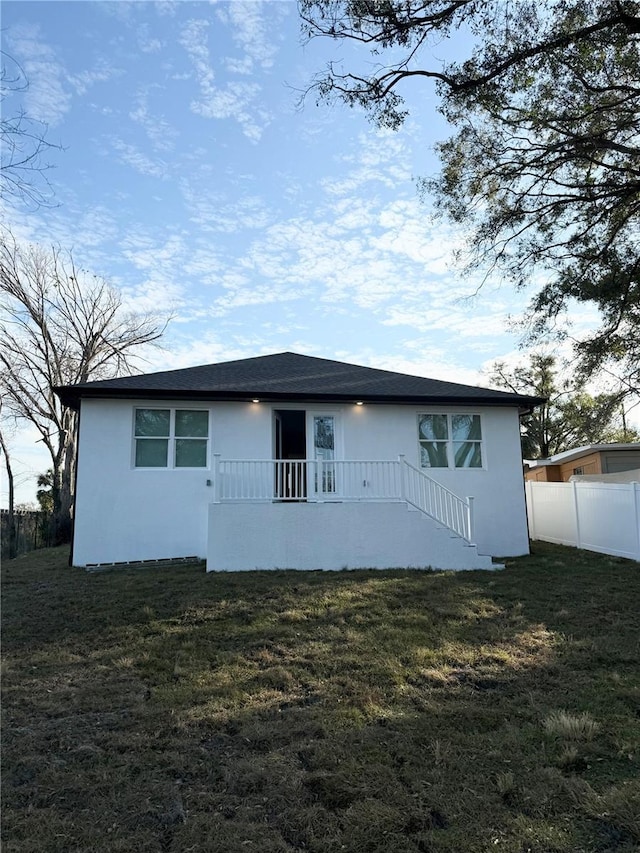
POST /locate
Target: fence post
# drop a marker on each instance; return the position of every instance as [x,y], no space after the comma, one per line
[636,514]
[577,513]
[216,478]
[531,513]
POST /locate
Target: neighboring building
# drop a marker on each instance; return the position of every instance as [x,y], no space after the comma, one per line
[291,461]
[590,460]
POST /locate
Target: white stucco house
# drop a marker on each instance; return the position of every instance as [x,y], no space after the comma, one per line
[289,461]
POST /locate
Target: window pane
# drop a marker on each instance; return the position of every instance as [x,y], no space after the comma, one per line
[192,423]
[467,454]
[154,422]
[465,427]
[191,453]
[323,437]
[151,452]
[432,427]
[433,454]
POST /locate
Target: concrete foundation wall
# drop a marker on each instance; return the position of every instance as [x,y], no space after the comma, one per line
[331,536]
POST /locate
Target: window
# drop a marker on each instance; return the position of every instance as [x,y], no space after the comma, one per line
[450,441]
[171,438]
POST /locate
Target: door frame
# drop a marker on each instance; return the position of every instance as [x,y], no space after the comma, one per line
[311,413]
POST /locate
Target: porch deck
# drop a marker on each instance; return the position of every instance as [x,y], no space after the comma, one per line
[319,481]
[333,514]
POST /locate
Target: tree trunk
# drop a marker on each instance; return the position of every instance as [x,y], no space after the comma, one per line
[64,480]
[11,544]
[67,495]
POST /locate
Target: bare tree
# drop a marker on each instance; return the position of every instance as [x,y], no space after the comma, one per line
[60,326]
[23,144]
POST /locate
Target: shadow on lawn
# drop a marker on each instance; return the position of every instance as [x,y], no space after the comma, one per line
[364,711]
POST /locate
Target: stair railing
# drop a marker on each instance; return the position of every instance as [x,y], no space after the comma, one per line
[435,500]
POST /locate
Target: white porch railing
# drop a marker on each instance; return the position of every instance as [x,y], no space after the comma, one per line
[434,499]
[316,480]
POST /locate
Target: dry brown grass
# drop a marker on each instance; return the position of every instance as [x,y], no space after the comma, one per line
[371,712]
[562,724]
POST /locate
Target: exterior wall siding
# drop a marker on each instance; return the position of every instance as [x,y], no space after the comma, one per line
[124,513]
[544,474]
[590,464]
[598,462]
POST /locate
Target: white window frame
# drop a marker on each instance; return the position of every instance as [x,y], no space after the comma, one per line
[171,438]
[449,441]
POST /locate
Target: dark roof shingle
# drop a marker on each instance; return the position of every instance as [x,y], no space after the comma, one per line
[288,375]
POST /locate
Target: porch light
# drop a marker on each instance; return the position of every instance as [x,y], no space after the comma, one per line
[359,403]
[255,400]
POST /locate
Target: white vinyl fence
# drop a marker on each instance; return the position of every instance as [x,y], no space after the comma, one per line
[602,517]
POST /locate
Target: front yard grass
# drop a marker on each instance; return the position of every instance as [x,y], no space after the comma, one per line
[389,712]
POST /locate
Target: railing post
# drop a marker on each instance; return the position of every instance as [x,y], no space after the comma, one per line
[403,491]
[470,519]
[310,473]
[216,478]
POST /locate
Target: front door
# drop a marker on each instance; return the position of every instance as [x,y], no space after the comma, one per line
[322,449]
[300,435]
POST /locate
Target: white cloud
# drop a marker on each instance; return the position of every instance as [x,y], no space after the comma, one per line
[160,133]
[168,264]
[146,42]
[379,157]
[251,33]
[83,81]
[194,40]
[166,8]
[236,99]
[210,211]
[93,227]
[132,156]
[419,358]
[46,98]
[355,213]
[46,94]
[411,233]
[209,348]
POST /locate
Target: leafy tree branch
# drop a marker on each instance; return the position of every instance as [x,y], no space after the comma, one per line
[542,167]
[570,417]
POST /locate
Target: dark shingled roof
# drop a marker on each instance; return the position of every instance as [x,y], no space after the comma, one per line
[288,376]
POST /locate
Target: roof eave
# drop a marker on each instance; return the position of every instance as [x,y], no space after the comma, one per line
[72,396]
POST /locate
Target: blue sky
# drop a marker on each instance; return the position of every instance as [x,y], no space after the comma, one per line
[193,180]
